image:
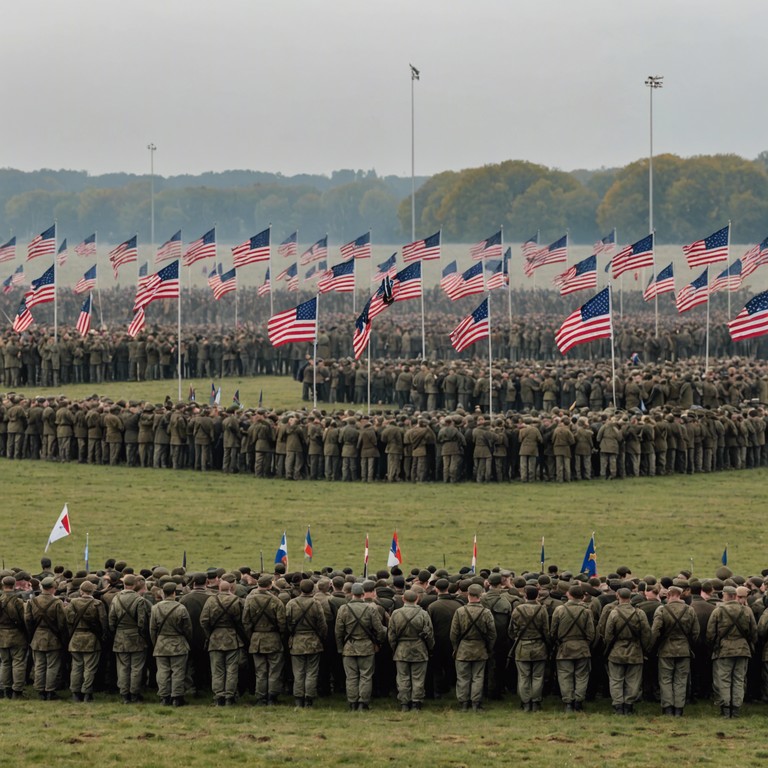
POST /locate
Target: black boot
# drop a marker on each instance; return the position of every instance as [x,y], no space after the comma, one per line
[725,711]
[678,711]
[127,698]
[464,706]
[668,711]
[77,697]
[88,698]
[618,709]
[272,700]
[309,701]
[629,709]
[735,712]
[166,701]
[405,707]
[416,705]
[569,706]
[298,702]
[179,701]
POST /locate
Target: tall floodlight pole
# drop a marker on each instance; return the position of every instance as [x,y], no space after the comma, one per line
[653,82]
[152,148]
[414,76]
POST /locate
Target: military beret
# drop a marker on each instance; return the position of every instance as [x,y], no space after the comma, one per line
[307,586]
[48,582]
[357,589]
[475,590]
[265,582]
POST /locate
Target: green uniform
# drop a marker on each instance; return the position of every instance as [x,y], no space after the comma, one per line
[264,623]
[47,630]
[307,629]
[529,632]
[627,640]
[129,624]
[573,631]
[170,630]
[13,644]
[412,639]
[473,635]
[87,620]
[222,625]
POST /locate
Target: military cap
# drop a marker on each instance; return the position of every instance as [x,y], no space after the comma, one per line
[475,590]
[87,586]
[424,575]
[22,576]
[742,591]
[265,582]
[409,596]
[169,588]
[729,590]
[48,582]
[307,586]
[369,586]
[357,589]
[723,572]
[624,593]
[675,590]
[494,579]
[9,581]
[442,584]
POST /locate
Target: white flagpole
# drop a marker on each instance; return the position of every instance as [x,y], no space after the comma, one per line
[55,287]
[314,352]
[269,270]
[490,355]
[178,335]
[706,351]
[98,285]
[728,266]
[613,352]
[369,375]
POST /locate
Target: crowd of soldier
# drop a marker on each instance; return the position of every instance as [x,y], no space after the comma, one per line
[429,635]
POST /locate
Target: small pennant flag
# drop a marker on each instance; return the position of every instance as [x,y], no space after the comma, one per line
[281,556]
[724,558]
[474,554]
[308,546]
[61,529]
[365,557]
[589,564]
[394,557]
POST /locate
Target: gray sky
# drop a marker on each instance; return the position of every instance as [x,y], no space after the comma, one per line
[315,85]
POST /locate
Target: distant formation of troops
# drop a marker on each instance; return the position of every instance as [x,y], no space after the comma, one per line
[426,635]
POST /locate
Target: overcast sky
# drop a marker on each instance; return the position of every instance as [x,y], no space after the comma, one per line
[310,86]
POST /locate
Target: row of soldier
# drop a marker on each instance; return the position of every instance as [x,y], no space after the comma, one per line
[393,447]
[424,636]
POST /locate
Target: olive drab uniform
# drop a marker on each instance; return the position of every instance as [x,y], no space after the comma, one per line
[87,620]
[264,623]
[13,645]
[47,631]
[129,624]
[500,606]
[221,620]
[170,630]
[411,637]
[359,634]
[473,635]
[307,629]
[572,630]
[529,632]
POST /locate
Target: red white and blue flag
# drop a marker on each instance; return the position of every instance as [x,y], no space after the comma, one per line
[387,268]
[475,326]
[590,321]
[450,276]
[43,244]
[295,324]
[470,282]
[639,255]
[138,323]
[530,247]
[253,250]
[474,553]
[214,277]
[554,253]
[202,248]
[497,276]
[43,289]
[605,245]
[490,248]
[16,278]
[23,318]
[752,321]
[316,252]
[579,277]
[87,247]
[406,284]
[265,287]
[61,254]
[362,333]
[693,294]
[394,557]
[288,247]
[281,556]
[340,278]
[143,276]
[170,249]
[8,250]
[729,279]
[360,248]
[125,253]
[664,282]
[423,250]
[87,282]
[83,324]
[308,546]
[709,250]
[227,284]
[755,257]
[164,284]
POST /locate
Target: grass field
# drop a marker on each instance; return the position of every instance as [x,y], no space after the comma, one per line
[151,516]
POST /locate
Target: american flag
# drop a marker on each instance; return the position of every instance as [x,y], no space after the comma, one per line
[555,253]
[143,276]
[475,326]
[530,247]
[202,248]
[288,247]
[387,268]
[164,284]
[752,320]
[490,248]
[290,271]
[316,271]
[83,324]
[579,277]
[470,282]
[43,244]
[340,278]
[125,253]
[170,249]
[23,318]
[450,276]
[606,244]
[87,282]
[214,277]
[8,251]
[425,250]
[590,321]
[362,332]
[253,250]
[265,287]
[227,283]
[87,247]
[43,289]
[664,282]
[497,275]
[296,324]
[16,278]
[138,323]
[61,254]
[729,279]
[693,294]
[316,252]
[639,255]
[710,249]
[406,284]
[755,257]
[357,249]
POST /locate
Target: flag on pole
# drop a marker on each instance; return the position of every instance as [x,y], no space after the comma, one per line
[138,323]
[85,553]
[61,528]
[755,257]
[394,557]
[125,253]
[554,253]
[360,248]
[472,328]
[490,248]
[639,255]
[217,399]
[236,397]
[296,324]
[170,249]
[61,254]
[8,250]
[84,319]
[214,277]
[470,282]
[340,278]
[164,284]
[474,554]
[530,247]
[290,272]
[191,396]
[87,282]
[227,283]
[365,558]
[710,249]
[316,252]
[406,284]
[43,289]
[387,268]
[724,558]
[143,277]
[212,396]
[542,559]
[606,244]
[589,565]
[752,321]
[43,244]
[693,294]
[253,250]
[87,247]
[579,277]
[264,288]
[449,277]
[729,279]
[288,247]
[202,248]
[590,321]
[362,333]
[664,282]
[308,546]
[281,556]
[424,250]
[497,275]
[16,278]
[23,318]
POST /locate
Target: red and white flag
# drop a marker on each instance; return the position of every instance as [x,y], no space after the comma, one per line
[61,529]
